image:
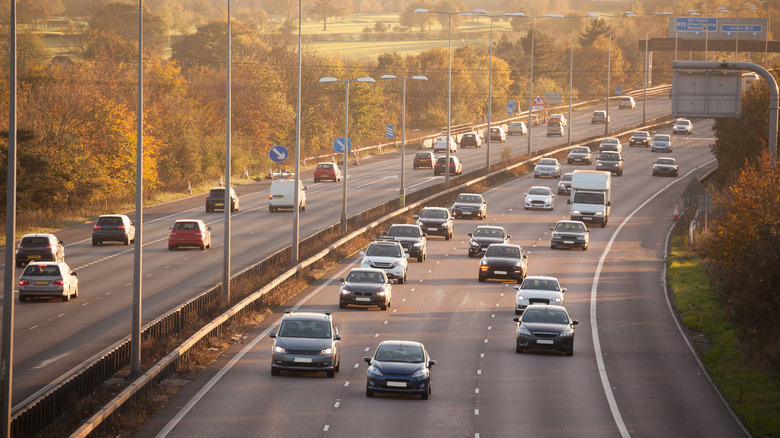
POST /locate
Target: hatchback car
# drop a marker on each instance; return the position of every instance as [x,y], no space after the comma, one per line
[387,255]
[216,199]
[538,289]
[682,126]
[423,160]
[599,116]
[497,133]
[610,144]
[440,168]
[547,167]
[504,261]
[469,205]
[545,328]
[113,228]
[570,234]
[471,139]
[626,102]
[639,138]
[661,143]
[610,162]
[366,287]
[48,280]
[328,172]
[517,128]
[665,166]
[554,128]
[306,341]
[484,236]
[435,221]
[39,247]
[539,197]
[412,239]
[557,118]
[579,155]
[564,184]
[189,232]
[440,144]
[399,367]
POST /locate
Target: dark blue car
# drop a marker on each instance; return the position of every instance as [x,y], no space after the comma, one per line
[399,367]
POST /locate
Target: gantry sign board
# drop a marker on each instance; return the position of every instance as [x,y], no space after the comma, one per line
[718,28]
[706,93]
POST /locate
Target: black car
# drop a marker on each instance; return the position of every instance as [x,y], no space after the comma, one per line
[484,236]
[412,239]
[564,184]
[306,341]
[639,138]
[216,199]
[113,228]
[504,261]
[366,287]
[39,247]
[545,327]
[469,205]
[399,367]
[579,154]
[571,234]
[470,139]
[423,159]
[435,221]
[666,166]
[610,162]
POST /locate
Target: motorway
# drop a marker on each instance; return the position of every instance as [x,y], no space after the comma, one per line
[632,373]
[67,333]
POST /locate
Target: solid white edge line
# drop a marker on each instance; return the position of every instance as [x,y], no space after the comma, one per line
[195,399]
[593,296]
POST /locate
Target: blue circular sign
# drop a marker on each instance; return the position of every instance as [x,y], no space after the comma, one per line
[278,153]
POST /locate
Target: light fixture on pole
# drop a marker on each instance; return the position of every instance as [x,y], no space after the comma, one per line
[296,237]
[346,143]
[402,191]
[449,81]
[647,63]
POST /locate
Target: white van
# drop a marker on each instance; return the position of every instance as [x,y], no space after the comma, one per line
[627,102]
[282,195]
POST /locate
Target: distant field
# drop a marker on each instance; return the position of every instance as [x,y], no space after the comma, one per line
[371,49]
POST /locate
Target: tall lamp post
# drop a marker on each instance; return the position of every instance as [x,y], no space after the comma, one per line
[346,142]
[449,80]
[647,70]
[402,191]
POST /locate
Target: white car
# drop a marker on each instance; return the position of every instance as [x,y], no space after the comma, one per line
[682,126]
[557,118]
[547,167]
[517,128]
[387,255]
[540,197]
[440,144]
[537,289]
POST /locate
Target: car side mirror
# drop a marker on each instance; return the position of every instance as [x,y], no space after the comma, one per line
[609,203]
[525,256]
[208,228]
[342,279]
[516,319]
[563,290]
[431,363]
[367,360]
[362,253]
[470,235]
[525,194]
[575,322]
[587,231]
[62,243]
[508,236]
[568,201]
[74,273]
[552,228]
[272,335]
[517,287]
[424,234]
[383,233]
[304,187]
[406,256]
[337,337]
[416,216]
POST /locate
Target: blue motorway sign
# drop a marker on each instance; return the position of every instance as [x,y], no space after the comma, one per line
[749,28]
[619,90]
[389,133]
[695,24]
[510,107]
[338,145]
[278,153]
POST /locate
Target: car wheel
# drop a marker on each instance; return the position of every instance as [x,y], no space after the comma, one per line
[383,307]
[342,306]
[66,297]
[570,352]
[553,246]
[369,392]
[585,247]
[481,279]
[171,247]
[274,371]
[519,349]
[420,257]
[203,247]
[94,243]
[517,312]
[76,292]
[126,241]
[331,373]
[337,368]
[19,264]
[424,395]
[22,298]
[447,236]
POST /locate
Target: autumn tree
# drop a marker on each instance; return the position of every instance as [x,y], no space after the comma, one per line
[113,32]
[412,19]
[324,9]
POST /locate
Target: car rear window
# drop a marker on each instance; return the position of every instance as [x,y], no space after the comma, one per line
[217,192]
[185,226]
[324,166]
[41,270]
[35,241]
[111,220]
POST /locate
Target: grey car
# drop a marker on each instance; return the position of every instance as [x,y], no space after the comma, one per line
[570,234]
[661,143]
[411,238]
[39,247]
[366,287]
[435,221]
[469,205]
[547,167]
[48,280]
[484,236]
[306,341]
[579,154]
[113,228]
[610,162]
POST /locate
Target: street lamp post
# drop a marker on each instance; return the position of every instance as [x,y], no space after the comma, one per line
[449,81]
[346,143]
[647,69]
[402,191]
[531,86]
[609,63]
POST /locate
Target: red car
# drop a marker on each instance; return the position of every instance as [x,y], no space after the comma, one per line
[329,171]
[189,232]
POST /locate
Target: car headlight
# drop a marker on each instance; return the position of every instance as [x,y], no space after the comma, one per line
[556,235]
[445,224]
[567,333]
[374,370]
[328,350]
[483,267]
[599,213]
[523,331]
[421,373]
[521,298]
[278,349]
[473,243]
[420,223]
[581,237]
[557,300]
[417,245]
[345,292]
[546,200]
[575,212]
[394,264]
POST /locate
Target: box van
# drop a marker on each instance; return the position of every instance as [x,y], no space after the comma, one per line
[627,102]
[282,195]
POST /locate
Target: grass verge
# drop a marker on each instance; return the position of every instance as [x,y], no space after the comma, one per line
[752,393]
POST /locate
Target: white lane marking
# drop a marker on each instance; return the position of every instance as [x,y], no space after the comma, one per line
[367,348]
[376,335]
[476,411]
[325,429]
[479,372]
[385,323]
[593,296]
[346,383]
[356,365]
[486,341]
[482,355]
[335,405]
[49,361]
[490,327]
[476,390]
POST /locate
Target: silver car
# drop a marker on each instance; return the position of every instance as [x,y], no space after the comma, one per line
[306,341]
[48,280]
[661,143]
[538,289]
[682,126]
[517,128]
[547,167]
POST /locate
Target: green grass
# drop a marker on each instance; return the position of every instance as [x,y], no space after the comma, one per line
[752,394]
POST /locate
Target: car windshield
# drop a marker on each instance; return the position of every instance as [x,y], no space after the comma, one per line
[185,226]
[400,353]
[423,155]
[588,198]
[540,284]
[539,191]
[503,251]
[217,193]
[548,162]
[434,214]
[110,220]
[516,125]
[381,250]
[403,232]
[305,329]
[566,177]
[570,226]
[365,277]
[609,157]
[469,135]
[665,161]
[468,199]
[41,270]
[610,141]
[488,232]
[545,315]
[580,150]
[661,138]
[641,134]
[684,122]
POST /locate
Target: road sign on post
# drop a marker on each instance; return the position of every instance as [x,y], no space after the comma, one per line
[278,153]
[538,103]
[389,131]
[619,90]
[338,145]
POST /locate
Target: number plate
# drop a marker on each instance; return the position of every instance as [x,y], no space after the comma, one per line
[499,272]
[33,257]
[586,218]
[544,341]
[219,204]
[302,359]
[433,229]
[397,384]
[568,242]
[41,283]
[362,299]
